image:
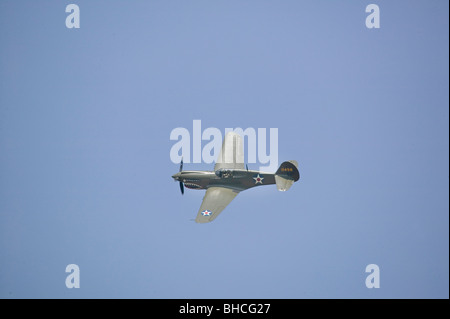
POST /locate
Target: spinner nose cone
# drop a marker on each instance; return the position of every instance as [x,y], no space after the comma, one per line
[176,176]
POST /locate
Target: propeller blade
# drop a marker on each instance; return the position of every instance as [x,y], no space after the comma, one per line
[182,188]
[181,165]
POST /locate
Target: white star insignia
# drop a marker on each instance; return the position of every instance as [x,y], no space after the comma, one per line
[206,213]
[258,179]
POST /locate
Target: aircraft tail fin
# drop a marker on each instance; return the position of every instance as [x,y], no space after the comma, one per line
[286,175]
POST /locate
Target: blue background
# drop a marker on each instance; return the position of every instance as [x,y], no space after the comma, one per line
[85,120]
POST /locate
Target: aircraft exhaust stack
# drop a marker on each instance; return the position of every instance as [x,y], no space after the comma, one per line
[286,175]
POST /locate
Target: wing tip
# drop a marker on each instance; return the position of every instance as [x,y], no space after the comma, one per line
[200,221]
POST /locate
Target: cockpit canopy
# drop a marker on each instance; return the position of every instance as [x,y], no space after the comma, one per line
[224,173]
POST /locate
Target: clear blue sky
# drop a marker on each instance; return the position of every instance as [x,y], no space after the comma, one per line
[85,169]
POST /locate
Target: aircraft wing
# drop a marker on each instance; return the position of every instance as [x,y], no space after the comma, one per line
[214,202]
[231,155]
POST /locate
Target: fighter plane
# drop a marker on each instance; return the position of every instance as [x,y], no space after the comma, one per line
[230,177]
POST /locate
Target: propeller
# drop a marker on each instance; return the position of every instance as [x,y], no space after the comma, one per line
[181,183]
[182,188]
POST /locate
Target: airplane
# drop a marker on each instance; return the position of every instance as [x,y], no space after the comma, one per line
[231,177]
